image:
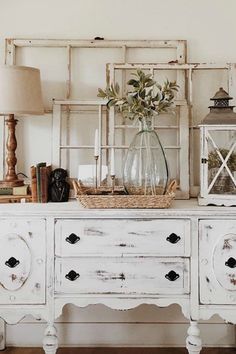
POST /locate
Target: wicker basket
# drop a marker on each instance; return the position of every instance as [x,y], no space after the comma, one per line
[95,199]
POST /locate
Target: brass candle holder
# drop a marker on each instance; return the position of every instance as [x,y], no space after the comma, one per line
[113,184]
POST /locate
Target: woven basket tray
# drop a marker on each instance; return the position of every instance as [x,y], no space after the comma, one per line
[88,198]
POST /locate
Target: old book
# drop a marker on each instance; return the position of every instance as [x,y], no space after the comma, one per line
[33,184]
[44,184]
[6,190]
[39,195]
[21,190]
[49,171]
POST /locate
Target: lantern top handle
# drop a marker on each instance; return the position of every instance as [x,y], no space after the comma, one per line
[221,113]
[221,98]
[221,94]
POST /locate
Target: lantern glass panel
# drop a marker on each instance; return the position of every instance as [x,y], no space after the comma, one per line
[221,149]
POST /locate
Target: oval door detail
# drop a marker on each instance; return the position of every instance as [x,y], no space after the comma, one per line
[15,261]
[223,254]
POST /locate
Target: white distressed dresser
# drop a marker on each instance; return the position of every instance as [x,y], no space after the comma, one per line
[54,254]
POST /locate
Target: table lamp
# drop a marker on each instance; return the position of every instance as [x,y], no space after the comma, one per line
[20,94]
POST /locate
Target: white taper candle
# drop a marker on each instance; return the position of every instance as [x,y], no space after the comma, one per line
[96,144]
[112,162]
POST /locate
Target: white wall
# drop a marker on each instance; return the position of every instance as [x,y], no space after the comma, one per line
[209,28]
[208,25]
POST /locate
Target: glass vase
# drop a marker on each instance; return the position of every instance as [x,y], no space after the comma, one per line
[145,168]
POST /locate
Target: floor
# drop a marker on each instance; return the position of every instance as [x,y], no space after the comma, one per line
[119,351]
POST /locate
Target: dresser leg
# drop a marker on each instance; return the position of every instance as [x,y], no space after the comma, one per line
[193,341]
[2,335]
[50,342]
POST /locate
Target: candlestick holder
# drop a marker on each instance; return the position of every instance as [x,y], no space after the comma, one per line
[113,184]
[96,171]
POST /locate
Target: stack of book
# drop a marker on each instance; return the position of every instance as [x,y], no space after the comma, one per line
[14,194]
[39,182]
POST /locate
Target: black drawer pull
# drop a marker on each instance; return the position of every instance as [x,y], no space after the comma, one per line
[12,262]
[73,238]
[231,262]
[72,275]
[173,238]
[172,275]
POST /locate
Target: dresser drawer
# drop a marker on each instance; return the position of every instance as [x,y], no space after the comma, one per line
[169,237]
[136,275]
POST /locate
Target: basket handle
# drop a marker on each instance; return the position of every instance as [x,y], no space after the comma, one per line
[76,187]
[171,187]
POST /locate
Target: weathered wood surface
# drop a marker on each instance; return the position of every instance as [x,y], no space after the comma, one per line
[134,276]
[125,280]
[122,237]
[178,44]
[22,261]
[15,266]
[217,262]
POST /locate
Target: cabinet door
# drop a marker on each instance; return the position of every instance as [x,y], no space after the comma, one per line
[217,261]
[22,261]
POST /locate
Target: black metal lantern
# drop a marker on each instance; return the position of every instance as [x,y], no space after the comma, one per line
[218,153]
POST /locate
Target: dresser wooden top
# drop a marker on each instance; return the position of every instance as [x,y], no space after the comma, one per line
[179,208]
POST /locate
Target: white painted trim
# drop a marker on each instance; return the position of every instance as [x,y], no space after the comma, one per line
[98,43]
[173,66]
[100,102]
[184,152]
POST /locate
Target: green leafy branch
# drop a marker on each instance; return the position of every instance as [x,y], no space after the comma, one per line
[145,99]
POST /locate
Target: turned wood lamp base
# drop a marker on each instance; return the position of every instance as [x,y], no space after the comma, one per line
[11,179]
